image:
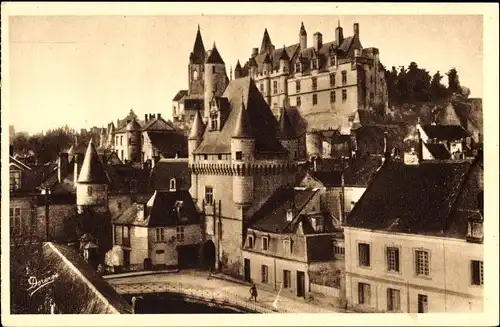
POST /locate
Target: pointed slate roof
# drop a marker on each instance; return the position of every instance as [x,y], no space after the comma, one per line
[92,171]
[198,54]
[284,54]
[285,128]
[242,128]
[266,42]
[302,29]
[133,126]
[214,57]
[198,128]
[262,121]
[238,65]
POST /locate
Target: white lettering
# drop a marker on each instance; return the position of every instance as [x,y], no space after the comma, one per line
[36,284]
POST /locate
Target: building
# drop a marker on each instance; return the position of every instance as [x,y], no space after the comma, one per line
[67,285]
[414,240]
[207,77]
[155,138]
[328,81]
[171,174]
[163,231]
[289,244]
[236,160]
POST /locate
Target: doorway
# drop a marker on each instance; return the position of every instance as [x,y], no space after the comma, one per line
[300,283]
[209,255]
[247,270]
[126,258]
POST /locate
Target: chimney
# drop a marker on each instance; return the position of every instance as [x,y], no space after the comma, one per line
[339,35]
[355,28]
[62,166]
[318,41]
[159,116]
[75,170]
[255,52]
[150,116]
[146,118]
[11,150]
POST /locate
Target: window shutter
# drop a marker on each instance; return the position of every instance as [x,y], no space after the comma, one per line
[396,259]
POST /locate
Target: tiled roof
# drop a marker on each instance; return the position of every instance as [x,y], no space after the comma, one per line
[261,119]
[166,169]
[92,171]
[158,124]
[271,217]
[126,179]
[169,144]
[371,138]
[416,199]
[438,150]
[361,171]
[95,295]
[162,212]
[328,178]
[180,95]
[445,132]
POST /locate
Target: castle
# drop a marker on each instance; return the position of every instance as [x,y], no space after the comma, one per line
[332,84]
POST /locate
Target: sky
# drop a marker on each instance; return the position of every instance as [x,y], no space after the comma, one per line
[87,71]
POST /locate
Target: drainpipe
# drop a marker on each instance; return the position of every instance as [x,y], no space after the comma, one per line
[342,199]
[275,274]
[219,234]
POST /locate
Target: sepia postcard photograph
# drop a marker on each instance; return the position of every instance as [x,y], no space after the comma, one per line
[232,164]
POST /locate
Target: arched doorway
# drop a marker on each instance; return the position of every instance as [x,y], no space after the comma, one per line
[208,255]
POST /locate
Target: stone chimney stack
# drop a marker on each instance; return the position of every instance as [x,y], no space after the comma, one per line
[255,52]
[159,116]
[146,118]
[318,41]
[355,28]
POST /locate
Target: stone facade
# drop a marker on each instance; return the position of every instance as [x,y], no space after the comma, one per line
[447,288]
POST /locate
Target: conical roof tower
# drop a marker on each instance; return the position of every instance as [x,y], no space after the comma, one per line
[242,129]
[92,171]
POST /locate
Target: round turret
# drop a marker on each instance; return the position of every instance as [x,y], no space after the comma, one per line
[92,182]
[242,156]
[134,141]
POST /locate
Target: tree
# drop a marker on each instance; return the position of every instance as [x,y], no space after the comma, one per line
[453,81]
[438,90]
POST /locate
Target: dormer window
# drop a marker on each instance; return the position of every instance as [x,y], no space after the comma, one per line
[173,184]
[214,120]
[250,239]
[239,155]
[15,180]
[314,64]
[317,223]
[195,75]
[265,243]
[298,67]
[289,215]
[475,231]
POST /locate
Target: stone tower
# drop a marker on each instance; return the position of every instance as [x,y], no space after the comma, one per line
[215,78]
[93,217]
[284,69]
[196,66]
[92,183]
[242,151]
[134,141]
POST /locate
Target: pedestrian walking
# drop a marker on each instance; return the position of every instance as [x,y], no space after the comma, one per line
[253,293]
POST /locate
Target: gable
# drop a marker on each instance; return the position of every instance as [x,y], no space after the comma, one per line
[159,125]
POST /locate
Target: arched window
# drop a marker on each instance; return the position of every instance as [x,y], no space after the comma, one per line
[173,184]
[195,75]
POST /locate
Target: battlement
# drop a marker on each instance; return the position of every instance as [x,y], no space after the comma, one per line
[243,169]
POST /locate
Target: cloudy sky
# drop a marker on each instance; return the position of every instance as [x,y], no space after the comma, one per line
[89,70]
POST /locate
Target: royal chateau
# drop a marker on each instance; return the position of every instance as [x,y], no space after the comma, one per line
[328,82]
